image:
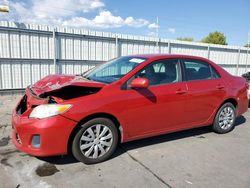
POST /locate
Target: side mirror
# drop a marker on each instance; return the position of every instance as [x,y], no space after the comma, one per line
[139,83]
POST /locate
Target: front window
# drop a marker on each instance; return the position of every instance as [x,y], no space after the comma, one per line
[164,71]
[113,70]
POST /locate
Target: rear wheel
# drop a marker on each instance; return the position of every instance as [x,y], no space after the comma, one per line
[225,118]
[95,141]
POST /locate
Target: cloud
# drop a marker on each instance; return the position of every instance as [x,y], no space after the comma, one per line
[105,19]
[46,10]
[130,21]
[96,4]
[4,2]
[18,12]
[62,8]
[171,30]
[153,26]
[152,34]
[69,13]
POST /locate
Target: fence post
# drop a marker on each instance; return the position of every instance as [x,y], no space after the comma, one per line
[10,56]
[247,59]
[117,46]
[238,61]
[55,51]
[169,47]
[158,45]
[208,51]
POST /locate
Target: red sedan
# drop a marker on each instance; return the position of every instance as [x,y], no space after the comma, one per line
[125,99]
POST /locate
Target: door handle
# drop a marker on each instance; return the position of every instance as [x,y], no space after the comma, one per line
[220,86]
[181,91]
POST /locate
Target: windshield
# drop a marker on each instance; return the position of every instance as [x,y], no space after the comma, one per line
[113,70]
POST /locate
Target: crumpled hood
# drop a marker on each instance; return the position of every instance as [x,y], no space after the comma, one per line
[55,82]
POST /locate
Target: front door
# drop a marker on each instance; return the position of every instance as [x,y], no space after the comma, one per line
[159,108]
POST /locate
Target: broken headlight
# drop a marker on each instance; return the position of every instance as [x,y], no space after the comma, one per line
[48,110]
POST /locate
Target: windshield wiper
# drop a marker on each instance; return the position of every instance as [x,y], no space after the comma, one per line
[82,74]
[88,78]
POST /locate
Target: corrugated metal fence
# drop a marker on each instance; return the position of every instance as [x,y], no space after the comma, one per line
[29,52]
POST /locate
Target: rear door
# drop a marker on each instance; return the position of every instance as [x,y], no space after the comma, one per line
[205,90]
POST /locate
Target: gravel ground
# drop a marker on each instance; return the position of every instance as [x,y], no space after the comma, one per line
[193,158]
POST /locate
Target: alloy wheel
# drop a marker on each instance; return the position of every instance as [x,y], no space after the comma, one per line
[96,141]
[226,118]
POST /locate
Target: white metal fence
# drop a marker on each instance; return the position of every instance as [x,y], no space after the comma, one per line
[29,52]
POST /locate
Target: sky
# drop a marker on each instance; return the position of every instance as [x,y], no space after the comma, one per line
[177,18]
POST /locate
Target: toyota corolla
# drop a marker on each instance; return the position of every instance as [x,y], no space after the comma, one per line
[125,99]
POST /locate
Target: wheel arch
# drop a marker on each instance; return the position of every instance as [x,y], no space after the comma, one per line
[93,116]
[231,100]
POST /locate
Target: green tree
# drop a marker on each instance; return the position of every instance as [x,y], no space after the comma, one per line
[189,39]
[247,45]
[215,38]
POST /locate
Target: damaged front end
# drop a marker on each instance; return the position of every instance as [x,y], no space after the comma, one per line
[40,125]
[70,92]
[55,89]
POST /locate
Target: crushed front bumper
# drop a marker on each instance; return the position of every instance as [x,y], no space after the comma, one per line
[40,137]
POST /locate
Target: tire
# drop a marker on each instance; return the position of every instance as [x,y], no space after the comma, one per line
[224,120]
[95,146]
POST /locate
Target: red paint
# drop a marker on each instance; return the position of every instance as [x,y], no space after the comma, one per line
[54,134]
[140,83]
[56,82]
[141,112]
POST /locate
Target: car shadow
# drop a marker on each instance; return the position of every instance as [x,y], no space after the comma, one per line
[122,148]
[59,160]
[148,94]
[196,132]
[240,120]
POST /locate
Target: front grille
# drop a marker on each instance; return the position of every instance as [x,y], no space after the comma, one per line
[22,106]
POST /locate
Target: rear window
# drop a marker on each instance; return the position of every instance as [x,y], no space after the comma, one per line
[199,70]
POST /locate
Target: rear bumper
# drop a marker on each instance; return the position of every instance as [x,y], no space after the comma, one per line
[54,133]
[243,103]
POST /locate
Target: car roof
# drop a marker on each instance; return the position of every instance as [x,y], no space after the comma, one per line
[149,56]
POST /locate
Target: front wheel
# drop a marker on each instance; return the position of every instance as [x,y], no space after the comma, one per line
[95,141]
[224,120]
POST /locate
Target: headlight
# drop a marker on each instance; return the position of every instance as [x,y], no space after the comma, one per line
[48,110]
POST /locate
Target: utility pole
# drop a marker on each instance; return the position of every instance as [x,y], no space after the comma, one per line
[248,46]
[248,38]
[157,34]
[157,28]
